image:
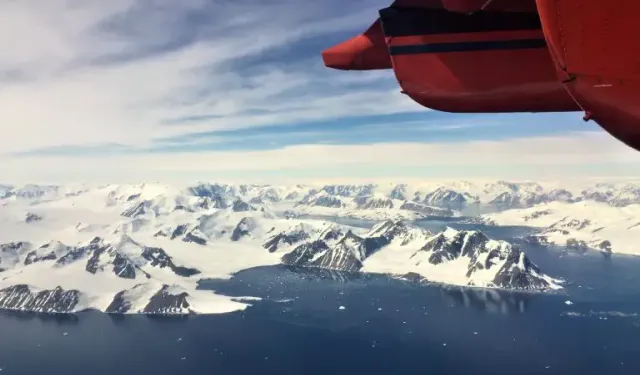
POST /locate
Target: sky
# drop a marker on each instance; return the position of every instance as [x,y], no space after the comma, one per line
[134,90]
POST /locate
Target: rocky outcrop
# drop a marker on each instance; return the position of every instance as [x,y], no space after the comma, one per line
[21,297]
[243,229]
[293,235]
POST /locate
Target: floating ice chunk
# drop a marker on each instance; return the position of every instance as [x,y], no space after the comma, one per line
[567,302]
[475,333]
[65,334]
[341,308]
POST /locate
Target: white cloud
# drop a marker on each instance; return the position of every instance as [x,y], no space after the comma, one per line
[581,154]
[92,72]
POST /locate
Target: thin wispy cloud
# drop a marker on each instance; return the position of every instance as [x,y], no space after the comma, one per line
[121,71]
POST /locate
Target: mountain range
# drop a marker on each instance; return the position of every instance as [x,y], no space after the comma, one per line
[143,248]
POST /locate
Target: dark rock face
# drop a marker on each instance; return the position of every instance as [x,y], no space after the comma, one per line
[399,192]
[349,190]
[123,267]
[597,196]
[346,255]
[13,247]
[389,230]
[93,264]
[291,196]
[77,253]
[616,196]
[537,214]
[320,201]
[303,254]
[243,229]
[179,231]
[119,305]
[216,195]
[510,276]
[369,246]
[331,234]
[574,223]
[33,257]
[182,208]
[137,210]
[32,218]
[426,210]
[463,244]
[161,233]
[190,237]
[215,201]
[328,202]
[11,252]
[516,198]
[20,297]
[133,197]
[580,245]
[158,258]
[560,195]
[370,202]
[348,250]
[256,200]
[291,238]
[447,198]
[605,247]
[240,206]
[163,303]
[506,200]
[413,277]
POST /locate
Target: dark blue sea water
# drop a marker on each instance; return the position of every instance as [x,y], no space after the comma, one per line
[386,327]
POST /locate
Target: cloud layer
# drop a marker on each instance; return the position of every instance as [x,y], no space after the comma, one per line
[574,155]
[135,72]
[199,89]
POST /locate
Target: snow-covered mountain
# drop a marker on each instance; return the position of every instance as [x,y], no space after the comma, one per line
[366,207]
[143,248]
[452,195]
[461,258]
[461,194]
[582,225]
[456,257]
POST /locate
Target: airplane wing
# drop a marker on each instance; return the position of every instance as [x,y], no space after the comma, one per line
[493,56]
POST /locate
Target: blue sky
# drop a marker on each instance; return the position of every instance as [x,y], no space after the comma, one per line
[132,85]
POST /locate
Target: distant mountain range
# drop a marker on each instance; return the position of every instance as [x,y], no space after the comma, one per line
[142,248]
[448,196]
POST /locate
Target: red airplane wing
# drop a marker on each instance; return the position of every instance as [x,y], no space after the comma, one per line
[509,56]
